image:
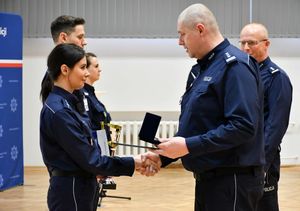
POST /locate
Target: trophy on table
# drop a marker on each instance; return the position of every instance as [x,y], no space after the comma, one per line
[115,132]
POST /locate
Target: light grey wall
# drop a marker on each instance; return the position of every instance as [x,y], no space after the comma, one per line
[280,16]
[153,18]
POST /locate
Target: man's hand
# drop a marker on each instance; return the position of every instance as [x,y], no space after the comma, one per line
[154,159]
[172,147]
[148,164]
[101,178]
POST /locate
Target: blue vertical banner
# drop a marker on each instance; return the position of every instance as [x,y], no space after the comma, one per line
[11,131]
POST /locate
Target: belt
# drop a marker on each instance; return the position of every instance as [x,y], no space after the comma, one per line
[226,171]
[61,173]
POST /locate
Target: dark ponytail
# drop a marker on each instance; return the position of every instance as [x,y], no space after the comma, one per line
[68,54]
[46,85]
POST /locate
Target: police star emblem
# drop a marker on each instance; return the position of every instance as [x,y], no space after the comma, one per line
[14,153]
[13,105]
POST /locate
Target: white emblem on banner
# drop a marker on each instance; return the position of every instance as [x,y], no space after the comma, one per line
[1,131]
[3,31]
[13,105]
[1,180]
[1,81]
[14,153]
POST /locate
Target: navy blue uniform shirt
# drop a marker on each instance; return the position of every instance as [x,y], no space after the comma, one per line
[66,140]
[192,75]
[222,112]
[277,106]
[96,110]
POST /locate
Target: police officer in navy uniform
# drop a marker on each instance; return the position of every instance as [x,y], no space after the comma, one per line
[277,105]
[69,151]
[220,134]
[96,111]
[67,29]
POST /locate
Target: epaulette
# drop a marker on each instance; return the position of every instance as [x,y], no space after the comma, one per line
[273,70]
[56,105]
[229,58]
[65,103]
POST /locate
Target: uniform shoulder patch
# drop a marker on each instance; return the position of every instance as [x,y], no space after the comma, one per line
[56,103]
[55,106]
[229,58]
[65,103]
[273,70]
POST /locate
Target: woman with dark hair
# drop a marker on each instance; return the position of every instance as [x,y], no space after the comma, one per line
[69,150]
[97,112]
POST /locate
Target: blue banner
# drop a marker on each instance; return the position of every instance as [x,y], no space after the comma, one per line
[11,131]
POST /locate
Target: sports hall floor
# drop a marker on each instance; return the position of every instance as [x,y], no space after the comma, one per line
[170,190]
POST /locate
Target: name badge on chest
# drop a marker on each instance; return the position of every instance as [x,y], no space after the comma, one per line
[86,104]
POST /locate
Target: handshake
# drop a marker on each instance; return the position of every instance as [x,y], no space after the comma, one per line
[147,164]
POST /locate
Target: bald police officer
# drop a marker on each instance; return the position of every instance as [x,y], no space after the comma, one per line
[220,134]
[277,104]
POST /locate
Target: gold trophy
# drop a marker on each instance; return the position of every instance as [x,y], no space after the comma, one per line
[115,131]
[107,182]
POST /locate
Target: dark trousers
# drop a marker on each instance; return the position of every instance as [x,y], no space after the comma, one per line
[71,193]
[97,196]
[230,192]
[269,201]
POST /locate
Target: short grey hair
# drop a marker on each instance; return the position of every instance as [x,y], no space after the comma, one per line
[198,13]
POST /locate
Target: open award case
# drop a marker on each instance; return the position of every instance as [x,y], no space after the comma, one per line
[149,128]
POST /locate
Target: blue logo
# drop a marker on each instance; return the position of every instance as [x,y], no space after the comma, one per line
[14,153]
[13,105]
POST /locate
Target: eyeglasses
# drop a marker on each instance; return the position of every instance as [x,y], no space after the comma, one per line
[251,43]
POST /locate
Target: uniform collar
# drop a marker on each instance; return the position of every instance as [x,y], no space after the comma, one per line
[72,99]
[208,57]
[89,88]
[265,62]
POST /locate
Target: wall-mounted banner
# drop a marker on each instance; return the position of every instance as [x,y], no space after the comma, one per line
[11,131]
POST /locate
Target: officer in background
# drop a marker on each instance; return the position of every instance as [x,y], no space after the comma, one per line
[220,134]
[98,115]
[277,104]
[69,150]
[96,110]
[66,29]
